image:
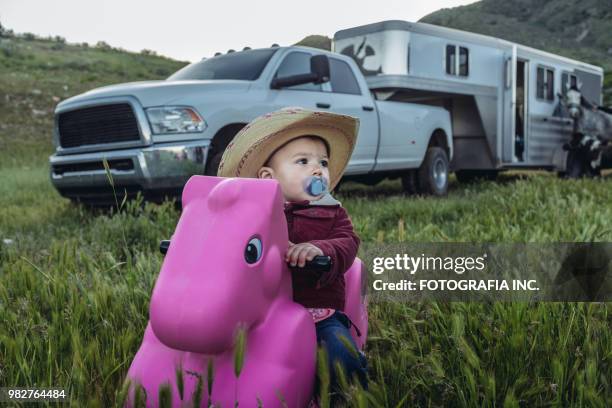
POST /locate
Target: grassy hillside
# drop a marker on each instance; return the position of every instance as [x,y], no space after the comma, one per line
[35,74]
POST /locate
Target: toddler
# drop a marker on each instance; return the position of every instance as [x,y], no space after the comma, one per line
[307,152]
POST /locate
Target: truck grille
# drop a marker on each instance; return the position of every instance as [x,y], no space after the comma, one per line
[118,164]
[98,125]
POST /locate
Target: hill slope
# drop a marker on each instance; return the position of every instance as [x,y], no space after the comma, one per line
[575,29]
[36,73]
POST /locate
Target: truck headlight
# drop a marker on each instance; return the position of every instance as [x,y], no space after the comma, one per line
[175,119]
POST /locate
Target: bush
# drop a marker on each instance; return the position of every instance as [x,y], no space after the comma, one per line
[29,36]
[10,50]
[78,65]
[103,45]
[5,33]
[58,46]
[148,52]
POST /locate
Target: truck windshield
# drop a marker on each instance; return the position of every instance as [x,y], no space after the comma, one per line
[244,65]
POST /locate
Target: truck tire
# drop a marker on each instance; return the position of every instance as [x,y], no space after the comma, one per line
[218,145]
[433,173]
[212,164]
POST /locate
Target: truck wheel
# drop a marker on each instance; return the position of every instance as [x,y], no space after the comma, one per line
[410,182]
[218,145]
[213,163]
[433,173]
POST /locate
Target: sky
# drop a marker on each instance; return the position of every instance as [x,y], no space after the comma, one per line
[189,30]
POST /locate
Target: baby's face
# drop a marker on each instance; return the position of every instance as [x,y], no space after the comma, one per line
[294,163]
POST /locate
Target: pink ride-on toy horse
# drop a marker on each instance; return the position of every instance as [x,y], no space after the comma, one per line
[225,269]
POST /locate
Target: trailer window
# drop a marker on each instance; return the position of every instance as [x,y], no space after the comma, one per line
[457,60]
[342,78]
[294,64]
[540,84]
[545,86]
[451,59]
[568,81]
[463,61]
[550,85]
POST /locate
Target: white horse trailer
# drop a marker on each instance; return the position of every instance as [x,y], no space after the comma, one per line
[501,95]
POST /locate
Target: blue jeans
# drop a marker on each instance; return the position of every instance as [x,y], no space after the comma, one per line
[329,332]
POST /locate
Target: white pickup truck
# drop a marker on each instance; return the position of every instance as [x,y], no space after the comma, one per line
[155,134]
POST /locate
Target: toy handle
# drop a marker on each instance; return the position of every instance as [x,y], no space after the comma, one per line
[164,245]
[319,263]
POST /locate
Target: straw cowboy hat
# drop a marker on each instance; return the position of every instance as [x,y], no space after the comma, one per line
[257,141]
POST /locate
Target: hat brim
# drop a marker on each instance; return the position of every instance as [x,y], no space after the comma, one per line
[253,145]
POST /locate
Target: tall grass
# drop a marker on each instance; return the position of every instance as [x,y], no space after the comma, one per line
[74,295]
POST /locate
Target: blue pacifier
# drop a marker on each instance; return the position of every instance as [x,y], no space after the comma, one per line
[315,185]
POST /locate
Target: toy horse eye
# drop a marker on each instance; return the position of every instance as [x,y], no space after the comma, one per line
[252,252]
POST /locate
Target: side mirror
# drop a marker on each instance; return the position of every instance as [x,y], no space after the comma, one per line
[319,73]
[319,66]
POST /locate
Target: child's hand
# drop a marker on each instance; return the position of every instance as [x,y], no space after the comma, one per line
[300,253]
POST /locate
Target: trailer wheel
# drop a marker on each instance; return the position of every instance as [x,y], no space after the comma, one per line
[433,173]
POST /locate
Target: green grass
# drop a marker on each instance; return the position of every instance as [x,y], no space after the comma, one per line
[75,287]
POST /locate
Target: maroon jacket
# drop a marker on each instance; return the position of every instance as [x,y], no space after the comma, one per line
[325,224]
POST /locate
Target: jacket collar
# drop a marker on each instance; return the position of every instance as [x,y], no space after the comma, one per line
[326,200]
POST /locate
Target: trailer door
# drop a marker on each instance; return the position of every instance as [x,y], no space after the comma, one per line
[515,109]
[509,101]
[521,111]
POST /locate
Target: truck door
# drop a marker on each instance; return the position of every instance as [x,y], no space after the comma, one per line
[349,98]
[308,96]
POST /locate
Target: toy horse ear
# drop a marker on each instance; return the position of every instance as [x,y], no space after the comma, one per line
[198,186]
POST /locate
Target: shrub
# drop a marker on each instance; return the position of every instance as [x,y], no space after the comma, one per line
[103,45]
[29,36]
